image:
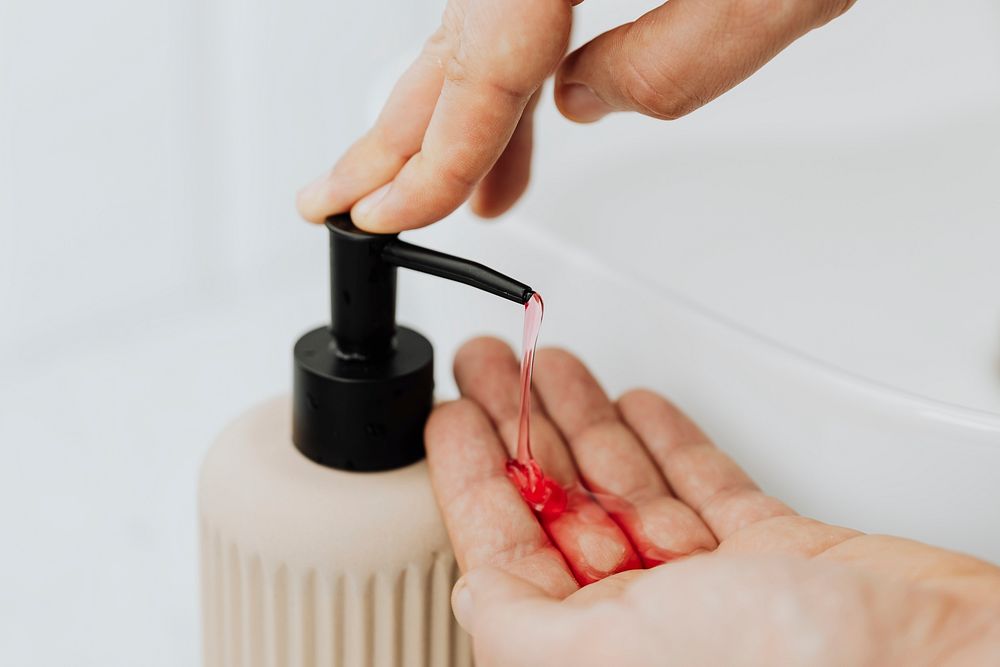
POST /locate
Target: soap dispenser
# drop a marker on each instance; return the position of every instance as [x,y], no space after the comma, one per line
[321,543]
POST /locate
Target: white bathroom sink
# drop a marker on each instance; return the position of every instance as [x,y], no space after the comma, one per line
[832,320]
[874,253]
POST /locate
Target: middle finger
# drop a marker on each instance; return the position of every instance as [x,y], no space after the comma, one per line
[592,543]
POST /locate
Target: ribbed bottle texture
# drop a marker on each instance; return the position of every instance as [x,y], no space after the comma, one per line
[269,614]
[308,566]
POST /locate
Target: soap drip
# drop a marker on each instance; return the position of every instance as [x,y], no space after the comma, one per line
[534,310]
[549,499]
[543,494]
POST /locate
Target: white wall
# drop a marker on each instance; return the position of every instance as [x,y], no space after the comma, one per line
[153,145]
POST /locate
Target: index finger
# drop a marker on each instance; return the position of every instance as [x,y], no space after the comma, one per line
[486,519]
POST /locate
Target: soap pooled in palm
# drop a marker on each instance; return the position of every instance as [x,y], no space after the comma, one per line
[567,512]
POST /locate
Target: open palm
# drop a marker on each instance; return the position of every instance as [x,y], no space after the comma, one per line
[747,580]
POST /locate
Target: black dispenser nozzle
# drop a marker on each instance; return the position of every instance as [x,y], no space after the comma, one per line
[454,268]
[364,386]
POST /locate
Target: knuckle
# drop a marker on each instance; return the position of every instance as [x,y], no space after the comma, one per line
[514,92]
[506,84]
[455,68]
[388,139]
[666,103]
[455,171]
[655,94]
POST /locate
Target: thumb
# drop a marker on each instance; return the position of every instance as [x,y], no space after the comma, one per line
[513,622]
[682,55]
[490,593]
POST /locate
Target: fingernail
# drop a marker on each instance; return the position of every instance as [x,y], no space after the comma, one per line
[461,604]
[363,209]
[582,104]
[307,199]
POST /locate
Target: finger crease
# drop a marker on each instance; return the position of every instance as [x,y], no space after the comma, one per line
[649,95]
[516,551]
[724,494]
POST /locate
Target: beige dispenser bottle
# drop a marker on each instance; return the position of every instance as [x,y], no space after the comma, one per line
[321,543]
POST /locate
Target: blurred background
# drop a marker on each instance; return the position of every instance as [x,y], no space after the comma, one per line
[842,205]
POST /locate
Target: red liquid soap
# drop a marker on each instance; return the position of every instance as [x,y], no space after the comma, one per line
[542,494]
[549,499]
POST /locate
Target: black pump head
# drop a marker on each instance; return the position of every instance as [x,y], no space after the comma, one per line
[364,386]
